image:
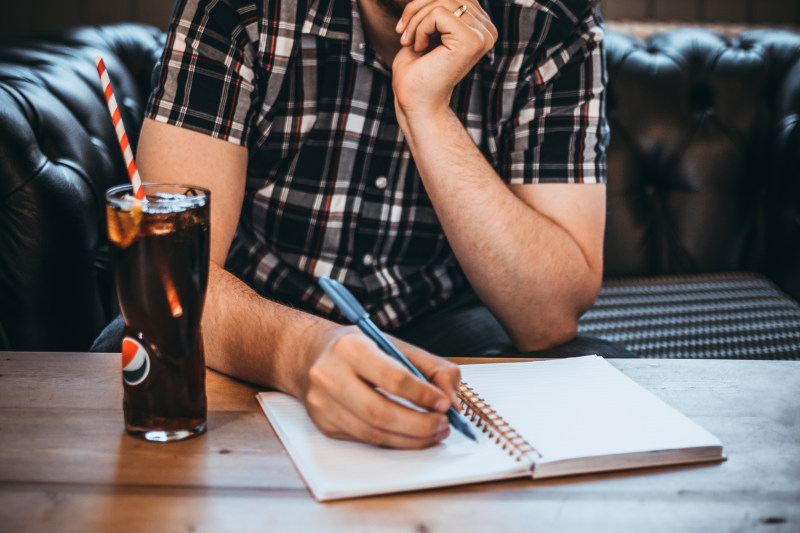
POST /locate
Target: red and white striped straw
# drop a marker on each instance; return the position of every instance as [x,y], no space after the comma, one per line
[127,153]
[133,173]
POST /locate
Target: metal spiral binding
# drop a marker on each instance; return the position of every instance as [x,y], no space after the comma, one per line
[490,422]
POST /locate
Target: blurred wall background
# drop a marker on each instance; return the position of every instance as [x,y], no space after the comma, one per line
[24,17]
[760,12]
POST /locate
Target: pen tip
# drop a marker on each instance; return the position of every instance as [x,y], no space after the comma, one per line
[467,432]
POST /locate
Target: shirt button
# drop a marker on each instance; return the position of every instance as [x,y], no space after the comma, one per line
[381,182]
[367,260]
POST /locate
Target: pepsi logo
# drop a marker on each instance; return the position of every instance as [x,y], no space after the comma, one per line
[135,361]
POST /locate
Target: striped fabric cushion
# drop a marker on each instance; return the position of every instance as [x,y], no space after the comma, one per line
[731,315]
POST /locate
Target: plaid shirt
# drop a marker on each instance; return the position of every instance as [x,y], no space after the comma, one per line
[332,188]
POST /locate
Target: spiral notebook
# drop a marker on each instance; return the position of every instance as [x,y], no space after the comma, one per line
[536,419]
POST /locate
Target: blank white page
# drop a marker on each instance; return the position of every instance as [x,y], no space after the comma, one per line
[582,407]
[334,469]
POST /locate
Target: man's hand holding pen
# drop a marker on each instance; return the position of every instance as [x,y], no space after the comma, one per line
[340,394]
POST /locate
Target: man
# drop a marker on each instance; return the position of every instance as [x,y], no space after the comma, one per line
[416,151]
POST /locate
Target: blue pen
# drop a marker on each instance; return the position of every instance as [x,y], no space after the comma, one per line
[356,314]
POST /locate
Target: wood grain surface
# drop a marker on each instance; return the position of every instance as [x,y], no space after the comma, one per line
[66,463]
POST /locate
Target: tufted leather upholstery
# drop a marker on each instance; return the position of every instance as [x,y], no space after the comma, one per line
[704,161]
[704,165]
[58,154]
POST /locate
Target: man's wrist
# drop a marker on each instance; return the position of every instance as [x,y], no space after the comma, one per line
[317,339]
[420,125]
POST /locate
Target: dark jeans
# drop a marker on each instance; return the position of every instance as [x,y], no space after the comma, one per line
[464,327]
[110,339]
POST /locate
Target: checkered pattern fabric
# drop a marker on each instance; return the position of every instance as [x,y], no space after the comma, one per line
[731,315]
[332,187]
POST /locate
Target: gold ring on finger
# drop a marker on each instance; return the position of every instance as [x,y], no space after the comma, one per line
[460,11]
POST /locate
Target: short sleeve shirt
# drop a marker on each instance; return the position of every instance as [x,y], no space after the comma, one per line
[332,188]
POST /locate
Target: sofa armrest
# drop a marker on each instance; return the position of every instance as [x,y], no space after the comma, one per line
[785,248]
[58,155]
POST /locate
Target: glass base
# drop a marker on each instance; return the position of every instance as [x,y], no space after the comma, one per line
[167,435]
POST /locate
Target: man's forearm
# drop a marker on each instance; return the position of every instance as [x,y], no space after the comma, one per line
[530,272]
[252,338]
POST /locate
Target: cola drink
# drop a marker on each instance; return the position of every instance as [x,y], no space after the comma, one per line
[160,256]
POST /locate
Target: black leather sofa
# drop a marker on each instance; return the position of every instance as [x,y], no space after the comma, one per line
[703,233]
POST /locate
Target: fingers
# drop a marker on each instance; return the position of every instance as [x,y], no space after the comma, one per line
[379,370]
[413,15]
[424,19]
[441,23]
[438,50]
[342,399]
[366,415]
[441,372]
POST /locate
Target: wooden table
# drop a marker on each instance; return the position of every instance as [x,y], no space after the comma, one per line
[67,465]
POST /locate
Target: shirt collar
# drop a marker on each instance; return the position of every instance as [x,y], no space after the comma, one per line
[341,20]
[358,43]
[330,19]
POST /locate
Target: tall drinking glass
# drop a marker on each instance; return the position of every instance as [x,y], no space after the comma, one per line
[160,255]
